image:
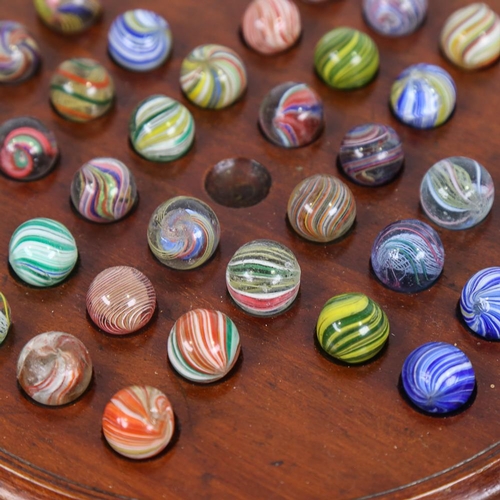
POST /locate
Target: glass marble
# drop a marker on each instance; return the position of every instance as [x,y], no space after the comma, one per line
[213,76]
[138,422]
[423,96]
[203,345]
[457,193]
[103,190]
[183,233]
[438,378]
[121,300]
[480,303]
[371,154]
[139,40]
[352,328]
[470,38]
[321,208]
[5,317]
[394,17]
[291,115]
[81,90]
[19,53]
[42,252]
[263,277]
[271,26]
[54,368]
[69,17]
[28,149]
[161,129]
[346,58]
[407,256]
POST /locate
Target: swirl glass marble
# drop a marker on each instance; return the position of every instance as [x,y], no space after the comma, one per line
[457,193]
[407,256]
[352,328]
[321,208]
[394,17]
[5,317]
[291,115]
[371,154]
[183,232]
[480,303]
[263,277]
[28,149]
[54,368]
[423,96]
[203,345]
[121,300]
[438,378]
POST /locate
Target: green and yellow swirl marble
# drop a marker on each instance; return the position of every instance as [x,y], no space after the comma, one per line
[352,328]
[346,58]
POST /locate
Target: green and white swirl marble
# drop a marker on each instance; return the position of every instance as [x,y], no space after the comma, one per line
[346,58]
[42,252]
[161,129]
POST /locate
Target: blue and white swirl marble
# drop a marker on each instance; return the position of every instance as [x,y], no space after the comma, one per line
[423,96]
[139,40]
[480,303]
[407,256]
[438,377]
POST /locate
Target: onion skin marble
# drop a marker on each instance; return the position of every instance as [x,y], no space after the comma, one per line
[470,38]
[42,252]
[28,149]
[457,193]
[263,277]
[394,17]
[213,76]
[121,300]
[103,190]
[371,154]
[407,256]
[203,345]
[346,58]
[19,53]
[138,422]
[139,40]
[183,233]
[352,328]
[291,115]
[81,90]
[271,26]
[321,208]
[161,129]
[438,378]
[5,317]
[54,368]
[423,96]
[480,303]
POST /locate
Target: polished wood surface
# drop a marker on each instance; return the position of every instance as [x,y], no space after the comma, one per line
[288,422]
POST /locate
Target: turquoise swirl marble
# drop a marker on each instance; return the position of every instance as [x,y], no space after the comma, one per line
[352,328]
[263,277]
[457,193]
[438,378]
[42,252]
[423,96]
[480,303]
[346,58]
[161,129]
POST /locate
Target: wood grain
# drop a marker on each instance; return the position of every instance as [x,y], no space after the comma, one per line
[288,422]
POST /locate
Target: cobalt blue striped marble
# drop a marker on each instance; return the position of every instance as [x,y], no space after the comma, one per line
[480,303]
[139,40]
[407,256]
[423,96]
[438,378]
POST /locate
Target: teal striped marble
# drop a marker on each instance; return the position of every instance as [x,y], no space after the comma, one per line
[42,252]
